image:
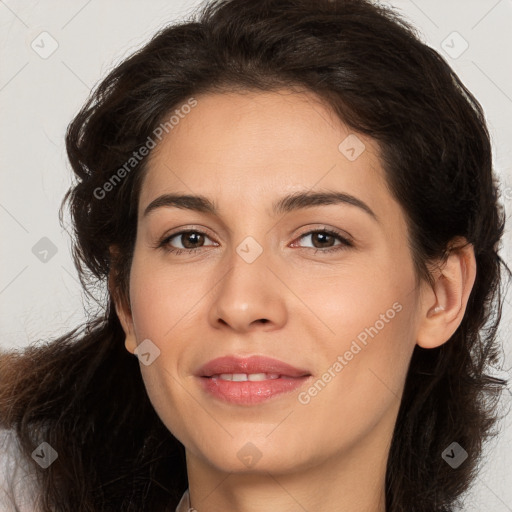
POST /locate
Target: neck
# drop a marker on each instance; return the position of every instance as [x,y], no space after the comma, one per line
[352,481]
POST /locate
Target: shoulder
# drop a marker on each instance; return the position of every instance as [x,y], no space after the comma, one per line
[18,478]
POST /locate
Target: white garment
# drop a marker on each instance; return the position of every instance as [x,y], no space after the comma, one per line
[17,477]
[184,504]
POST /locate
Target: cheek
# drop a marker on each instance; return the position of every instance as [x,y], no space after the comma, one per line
[371,319]
[361,381]
[159,313]
[363,300]
[158,299]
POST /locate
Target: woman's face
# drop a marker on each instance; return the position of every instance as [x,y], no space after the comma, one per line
[341,308]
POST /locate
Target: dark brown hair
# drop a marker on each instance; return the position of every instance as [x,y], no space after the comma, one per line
[83,393]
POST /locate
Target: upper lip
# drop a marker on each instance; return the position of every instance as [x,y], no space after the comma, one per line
[252,364]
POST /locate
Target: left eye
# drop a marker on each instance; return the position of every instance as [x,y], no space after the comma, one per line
[325,238]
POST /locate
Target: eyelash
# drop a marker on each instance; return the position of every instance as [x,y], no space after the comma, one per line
[345,243]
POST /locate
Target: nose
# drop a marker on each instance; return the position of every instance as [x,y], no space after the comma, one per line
[249,297]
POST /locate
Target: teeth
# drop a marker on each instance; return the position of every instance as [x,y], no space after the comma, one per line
[242,377]
[257,376]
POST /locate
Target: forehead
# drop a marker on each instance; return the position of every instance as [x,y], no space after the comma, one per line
[259,145]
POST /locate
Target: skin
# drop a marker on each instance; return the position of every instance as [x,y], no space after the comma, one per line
[244,151]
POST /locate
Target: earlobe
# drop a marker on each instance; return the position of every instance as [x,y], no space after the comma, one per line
[444,304]
[127,322]
[130,344]
[122,308]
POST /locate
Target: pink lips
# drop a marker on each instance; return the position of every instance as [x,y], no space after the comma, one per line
[279,378]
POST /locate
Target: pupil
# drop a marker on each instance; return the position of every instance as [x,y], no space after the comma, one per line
[191,236]
[325,236]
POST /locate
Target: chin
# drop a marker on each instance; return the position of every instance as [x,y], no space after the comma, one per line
[253,454]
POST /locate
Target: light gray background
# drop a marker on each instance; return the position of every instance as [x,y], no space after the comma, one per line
[39,96]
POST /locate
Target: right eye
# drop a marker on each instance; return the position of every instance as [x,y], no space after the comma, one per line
[186,239]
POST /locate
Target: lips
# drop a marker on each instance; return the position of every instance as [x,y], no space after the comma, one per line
[250,380]
[249,365]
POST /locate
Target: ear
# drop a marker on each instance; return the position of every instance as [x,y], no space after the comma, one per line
[443,305]
[121,304]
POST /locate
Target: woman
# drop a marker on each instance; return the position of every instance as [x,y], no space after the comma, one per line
[293,205]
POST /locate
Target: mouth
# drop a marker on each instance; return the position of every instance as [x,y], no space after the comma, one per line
[250,381]
[243,377]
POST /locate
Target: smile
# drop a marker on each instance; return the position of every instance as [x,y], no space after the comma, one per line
[249,380]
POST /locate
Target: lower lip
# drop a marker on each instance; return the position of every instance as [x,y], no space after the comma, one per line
[251,392]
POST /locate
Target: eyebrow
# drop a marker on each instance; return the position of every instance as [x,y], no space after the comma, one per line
[289,203]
